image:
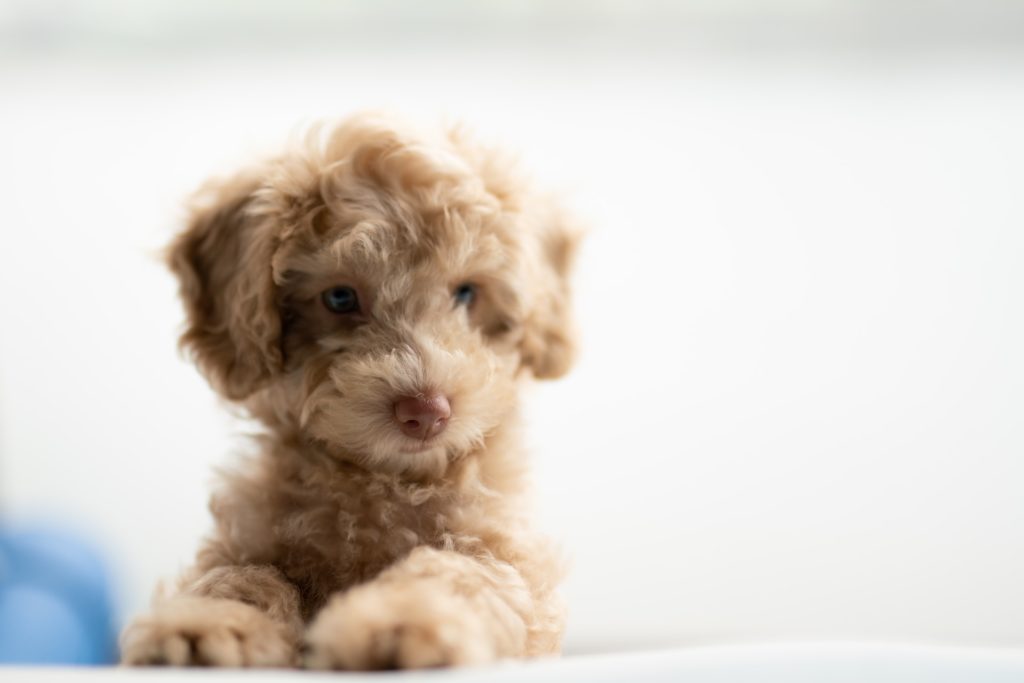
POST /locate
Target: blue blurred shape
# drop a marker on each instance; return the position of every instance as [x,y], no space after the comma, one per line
[55,601]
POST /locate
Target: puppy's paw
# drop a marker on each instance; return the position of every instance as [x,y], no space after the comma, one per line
[187,631]
[385,627]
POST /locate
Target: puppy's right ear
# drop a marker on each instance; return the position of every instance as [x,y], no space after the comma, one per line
[223,263]
[548,346]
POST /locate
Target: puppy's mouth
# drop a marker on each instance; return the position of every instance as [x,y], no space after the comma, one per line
[411,446]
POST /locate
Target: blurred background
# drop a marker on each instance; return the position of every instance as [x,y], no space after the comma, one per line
[799,412]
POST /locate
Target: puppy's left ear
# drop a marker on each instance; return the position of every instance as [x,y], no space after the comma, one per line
[223,263]
[548,345]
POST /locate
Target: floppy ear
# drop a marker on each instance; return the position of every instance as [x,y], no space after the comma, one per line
[548,345]
[223,263]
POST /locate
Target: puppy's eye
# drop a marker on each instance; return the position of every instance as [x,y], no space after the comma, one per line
[464,294]
[341,299]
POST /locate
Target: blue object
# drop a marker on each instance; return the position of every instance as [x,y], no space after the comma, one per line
[55,602]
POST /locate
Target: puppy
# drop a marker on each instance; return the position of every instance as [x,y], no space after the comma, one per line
[374,298]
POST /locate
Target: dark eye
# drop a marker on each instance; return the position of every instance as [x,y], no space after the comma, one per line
[341,300]
[464,294]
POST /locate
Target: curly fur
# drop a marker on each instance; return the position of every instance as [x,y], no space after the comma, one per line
[343,543]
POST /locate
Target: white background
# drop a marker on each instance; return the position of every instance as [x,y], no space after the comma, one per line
[800,406]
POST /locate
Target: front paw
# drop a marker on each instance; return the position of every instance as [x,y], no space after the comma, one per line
[386,627]
[188,631]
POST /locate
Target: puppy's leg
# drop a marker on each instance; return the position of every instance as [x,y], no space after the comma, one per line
[433,608]
[229,616]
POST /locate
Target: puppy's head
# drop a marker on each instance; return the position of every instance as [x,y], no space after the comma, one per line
[378,290]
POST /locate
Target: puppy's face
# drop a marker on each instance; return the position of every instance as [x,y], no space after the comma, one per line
[399,324]
[380,292]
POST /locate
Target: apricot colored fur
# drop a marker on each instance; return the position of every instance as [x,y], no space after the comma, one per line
[341,542]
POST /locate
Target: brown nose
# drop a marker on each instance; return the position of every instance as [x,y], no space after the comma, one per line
[423,416]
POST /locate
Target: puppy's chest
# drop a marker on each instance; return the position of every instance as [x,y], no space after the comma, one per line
[333,538]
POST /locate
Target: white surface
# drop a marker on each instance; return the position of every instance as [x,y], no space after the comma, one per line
[798,410]
[783,663]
